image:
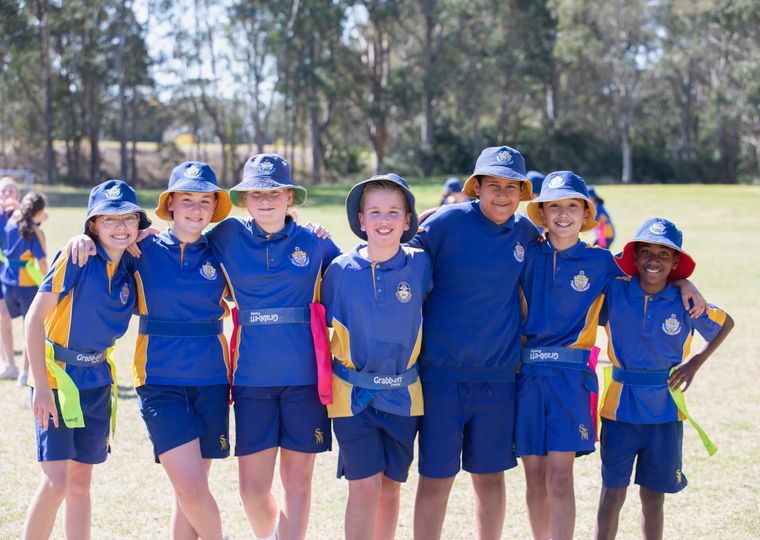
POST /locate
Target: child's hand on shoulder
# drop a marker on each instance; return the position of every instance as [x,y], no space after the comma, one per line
[321,232]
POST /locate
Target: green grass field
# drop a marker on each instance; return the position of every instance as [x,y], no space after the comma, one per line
[131,495]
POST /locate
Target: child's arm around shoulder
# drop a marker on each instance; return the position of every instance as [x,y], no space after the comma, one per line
[707,323]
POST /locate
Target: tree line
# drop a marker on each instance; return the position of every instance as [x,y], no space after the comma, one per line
[635,90]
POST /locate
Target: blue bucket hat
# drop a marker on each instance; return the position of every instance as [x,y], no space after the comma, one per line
[194,177]
[264,172]
[661,232]
[355,196]
[561,185]
[501,162]
[114,197]
[536,180]
[452,185]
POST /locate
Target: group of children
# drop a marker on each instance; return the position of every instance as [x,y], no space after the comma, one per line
[472,312]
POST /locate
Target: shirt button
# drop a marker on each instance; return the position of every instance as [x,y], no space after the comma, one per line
[271,260]
[378,278]
[379,290]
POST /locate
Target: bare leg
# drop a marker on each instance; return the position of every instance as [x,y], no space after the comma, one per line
[537,496]
[40,518]
[361,508]
[77,519]
[610,503]
[652,514]
[187,472]
[559,483]
[430,506]
[256,473]
[386,516]
[180,527]
[490,504]
[6,335]
[296,469]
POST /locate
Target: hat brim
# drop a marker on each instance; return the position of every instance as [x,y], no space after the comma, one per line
[534,210]
[685,268]
[237,192]
[352,208]
[526,188]
[223,202]
[112,208]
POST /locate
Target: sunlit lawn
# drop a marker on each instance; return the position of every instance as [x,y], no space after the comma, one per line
[131,496]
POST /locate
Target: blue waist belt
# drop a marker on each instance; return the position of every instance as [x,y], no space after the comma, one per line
[150,326]
[255,317]
[640,378]
[375,381]
[76,358]
[554,355]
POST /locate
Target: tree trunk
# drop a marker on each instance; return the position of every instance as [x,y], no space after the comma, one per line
[48,86]
[427,131]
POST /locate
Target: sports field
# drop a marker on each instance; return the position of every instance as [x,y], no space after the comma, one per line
[131,496]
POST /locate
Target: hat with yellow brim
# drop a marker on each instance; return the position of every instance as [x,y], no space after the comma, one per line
[194,177]
[661,232]
[559,186]
[501,162]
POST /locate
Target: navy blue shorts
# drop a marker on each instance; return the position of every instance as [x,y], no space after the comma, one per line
[375,441]
[290,417]
[553,414]
[18,299]
[656,449]
[471,424]
[88,444]
[176,415]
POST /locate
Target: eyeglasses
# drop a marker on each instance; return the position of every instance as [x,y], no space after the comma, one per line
[128,220]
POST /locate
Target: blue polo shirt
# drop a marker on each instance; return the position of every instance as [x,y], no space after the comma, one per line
[375,311]
[563,294]
[272,271]
[649,333]
[181,281]
[19,249]
[472,317]
[95,303]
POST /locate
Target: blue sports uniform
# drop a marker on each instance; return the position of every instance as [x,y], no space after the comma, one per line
[605,232]
[95,304]
[181,358]
[4,217]
[563,293]
[648,336]
[375,310]
[471,339]
[274,277]
[18,287]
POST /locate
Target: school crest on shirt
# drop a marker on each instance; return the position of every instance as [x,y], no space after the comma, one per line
[503,156]
[208,271]
[671,326]
[266,167]
[519,252]
[658,227]
[124,294]
[193,171]
[113,193]
[556,182]
[580,282]
[299,257]
[403,292]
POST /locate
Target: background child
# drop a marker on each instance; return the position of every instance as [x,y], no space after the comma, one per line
[72,323]
[604,233]
[649,333]
[25,253]
[9,196]
[374,298]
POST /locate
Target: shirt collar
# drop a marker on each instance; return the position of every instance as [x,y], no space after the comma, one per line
[670,292]
[394,263]
[506,226]
[288,230]
[574,251]
[168,239]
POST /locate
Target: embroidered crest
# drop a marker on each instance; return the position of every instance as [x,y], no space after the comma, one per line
[556,182]
[124,294]
[208,271]
[319,437]
[223,443]
[266,167]
[583,430]
[658,227]
[519,252]
[671,326]
[113,193]
[581,282]
[503,156]
[299,257]
[403,292]
[193,171]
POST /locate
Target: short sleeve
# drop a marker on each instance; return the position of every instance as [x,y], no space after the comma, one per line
[710,322]
[330,250]
[39,249]
[329,290]
[62,275]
